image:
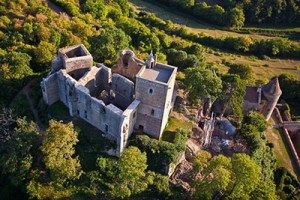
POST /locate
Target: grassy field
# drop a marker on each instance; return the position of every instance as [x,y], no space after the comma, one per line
[282,155]
[264,69]
[192,25]
[173,124]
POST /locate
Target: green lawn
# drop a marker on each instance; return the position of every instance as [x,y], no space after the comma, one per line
[173,124]
[281,150]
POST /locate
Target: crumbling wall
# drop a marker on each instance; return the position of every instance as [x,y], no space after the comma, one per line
[127,65]
[75,57]
[129,120]
[106,118]
[249,106]
[104,76]
[50,89]
[124,90]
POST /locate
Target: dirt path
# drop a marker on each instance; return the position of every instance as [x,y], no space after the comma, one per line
[26,92]
[56,8]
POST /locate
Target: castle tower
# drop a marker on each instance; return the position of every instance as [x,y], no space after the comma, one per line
[154,89]
[272,92]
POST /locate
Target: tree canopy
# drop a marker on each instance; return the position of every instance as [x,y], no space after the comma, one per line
[201,83]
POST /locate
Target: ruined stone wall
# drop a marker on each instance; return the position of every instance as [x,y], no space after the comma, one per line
[129,120]
[249,106]
[124,90]
[104,76]
[150,113]
[168,101]
[50,89]
[129,69]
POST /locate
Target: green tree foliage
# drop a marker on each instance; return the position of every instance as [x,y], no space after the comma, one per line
[244,71]
[131,177]
[236,18]
[238,177]
[246,176]
[44,53]
[107,45]
[201,83]
[58,149]
[161,153]
[96,7]
[17,152]
[233,94]
[215,178]
[127,176]
[55,178]
[290,86]
[15,65]
[201,159]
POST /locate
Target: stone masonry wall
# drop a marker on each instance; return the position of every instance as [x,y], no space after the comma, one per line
[150,113]
[50,89]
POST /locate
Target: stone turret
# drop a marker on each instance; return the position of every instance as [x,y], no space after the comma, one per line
[151,60]
[272,93]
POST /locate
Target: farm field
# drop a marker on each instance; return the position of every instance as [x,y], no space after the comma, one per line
[264,69]
[190,23]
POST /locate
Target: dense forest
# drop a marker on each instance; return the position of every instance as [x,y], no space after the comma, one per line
[53,164]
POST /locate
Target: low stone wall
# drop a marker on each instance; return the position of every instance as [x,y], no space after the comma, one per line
[292,150]
[284,126]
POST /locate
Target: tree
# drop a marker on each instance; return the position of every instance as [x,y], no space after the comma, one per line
[257,120]
[201,83]
[290,86]
[44,54]
[234,89]
[201,159]
[132,177]
[236,18]
[17,65]
[175,57]
[58,149]
[107,45]
[245,175]
[7,121]
[244,71]
[125,177]
[16,152]
[216,177]
[96,7]
[265,190]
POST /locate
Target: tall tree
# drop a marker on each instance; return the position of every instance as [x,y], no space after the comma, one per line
[233,94]
[216,177]
[236,18]
[125,177]
[245,175]
[107,45]
[58,149]
[16,151]
[201,83]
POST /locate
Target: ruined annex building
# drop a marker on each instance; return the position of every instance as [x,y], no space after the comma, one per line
[132,95]
[263,98]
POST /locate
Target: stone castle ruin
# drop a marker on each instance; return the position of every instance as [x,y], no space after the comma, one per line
[263,98]
[132,95]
